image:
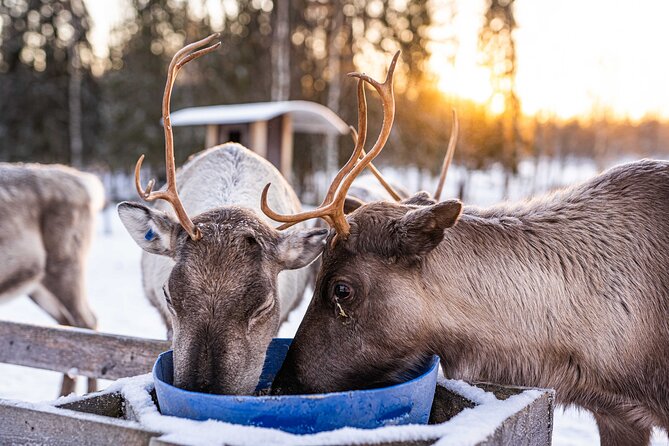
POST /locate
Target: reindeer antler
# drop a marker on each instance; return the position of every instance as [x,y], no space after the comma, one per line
[332,207]
[386,185]
[452,142]
[181,58]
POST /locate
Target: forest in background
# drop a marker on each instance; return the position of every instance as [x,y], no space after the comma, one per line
[61,103]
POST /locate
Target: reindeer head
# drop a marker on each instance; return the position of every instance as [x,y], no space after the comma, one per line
[222,290]
[365,325]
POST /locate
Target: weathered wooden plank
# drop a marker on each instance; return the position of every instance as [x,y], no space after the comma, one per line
[85,352]
[26,424]
[31,424]
[161,441]
[531,426]
[105,404]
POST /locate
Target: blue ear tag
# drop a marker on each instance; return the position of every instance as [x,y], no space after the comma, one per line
[150,235]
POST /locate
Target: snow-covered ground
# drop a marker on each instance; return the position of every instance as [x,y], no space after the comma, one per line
[115,293]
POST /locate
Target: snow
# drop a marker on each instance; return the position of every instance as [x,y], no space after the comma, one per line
[116,296]
[308,117]
[467,428]
[474,394]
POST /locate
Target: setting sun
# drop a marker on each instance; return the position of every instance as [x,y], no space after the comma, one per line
[574,59]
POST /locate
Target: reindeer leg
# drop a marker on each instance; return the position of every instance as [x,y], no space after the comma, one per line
[616,431]
[50,303]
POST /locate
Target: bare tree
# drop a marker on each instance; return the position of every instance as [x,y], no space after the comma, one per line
[335,44]
[281,52]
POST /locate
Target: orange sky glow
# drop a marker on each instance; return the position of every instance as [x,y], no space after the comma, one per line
[575,57]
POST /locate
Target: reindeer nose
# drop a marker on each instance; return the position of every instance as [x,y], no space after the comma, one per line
[282,387]
[286,381]
[195,385]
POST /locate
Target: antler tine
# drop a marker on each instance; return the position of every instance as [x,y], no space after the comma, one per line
[359,148]
[170,194]
[188,49]
[385,90]
[144,193]
[376,171]
[290,220]
[386,185]
[452,143]
[197,54]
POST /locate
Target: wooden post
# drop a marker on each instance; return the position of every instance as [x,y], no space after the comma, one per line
[258,138]
[287,147]
[211,136]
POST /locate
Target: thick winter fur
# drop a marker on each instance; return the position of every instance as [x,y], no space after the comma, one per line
[226,175]
[225,295]
[46,225]
[569,291]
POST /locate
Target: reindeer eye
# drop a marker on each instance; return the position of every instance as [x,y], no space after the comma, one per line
[342,290]
[251,240]
[263,310]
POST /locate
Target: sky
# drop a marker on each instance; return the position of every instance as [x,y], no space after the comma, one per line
[574,56]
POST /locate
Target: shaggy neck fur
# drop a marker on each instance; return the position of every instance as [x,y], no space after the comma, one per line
[561,293]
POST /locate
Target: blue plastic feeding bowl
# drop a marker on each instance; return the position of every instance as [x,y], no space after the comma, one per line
[405,403]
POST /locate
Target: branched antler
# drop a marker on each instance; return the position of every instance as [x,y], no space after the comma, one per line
[170,194]
[332,207]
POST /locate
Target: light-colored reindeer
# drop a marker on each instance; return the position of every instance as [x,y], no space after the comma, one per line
[217,279]
[569,291]
[46,221]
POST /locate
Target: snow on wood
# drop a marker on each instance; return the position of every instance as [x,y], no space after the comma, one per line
[308,117]
[471,426]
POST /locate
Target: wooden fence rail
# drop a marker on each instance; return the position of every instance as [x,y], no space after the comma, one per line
[78,351]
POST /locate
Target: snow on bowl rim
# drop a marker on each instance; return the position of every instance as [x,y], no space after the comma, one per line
[408,402]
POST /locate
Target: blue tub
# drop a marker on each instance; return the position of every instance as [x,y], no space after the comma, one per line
[405,403]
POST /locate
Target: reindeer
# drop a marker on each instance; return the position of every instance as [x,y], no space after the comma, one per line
[47,221]
[569,291]
[217,279]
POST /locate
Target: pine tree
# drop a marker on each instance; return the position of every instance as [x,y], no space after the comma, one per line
[48,95]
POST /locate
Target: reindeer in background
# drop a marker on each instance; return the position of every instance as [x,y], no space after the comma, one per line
[47,221]
[569,291]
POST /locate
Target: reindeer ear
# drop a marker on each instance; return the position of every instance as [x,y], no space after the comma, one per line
[420,199]
[351,204]
[297,249]
[422,229]
[154,231]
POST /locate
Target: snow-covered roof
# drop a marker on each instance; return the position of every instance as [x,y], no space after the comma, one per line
[308,117]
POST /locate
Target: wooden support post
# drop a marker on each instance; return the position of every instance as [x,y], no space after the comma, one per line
[287,146]
[211,136]
[258,137]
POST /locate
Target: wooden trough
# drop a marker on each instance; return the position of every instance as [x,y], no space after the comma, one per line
[482,414]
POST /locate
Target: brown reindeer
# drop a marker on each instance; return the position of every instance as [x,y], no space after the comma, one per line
[46,223]
[569,291]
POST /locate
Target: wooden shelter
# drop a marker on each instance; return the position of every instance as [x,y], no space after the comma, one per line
[267,128]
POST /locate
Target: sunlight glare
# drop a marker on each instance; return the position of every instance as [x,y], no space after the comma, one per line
[572,57]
